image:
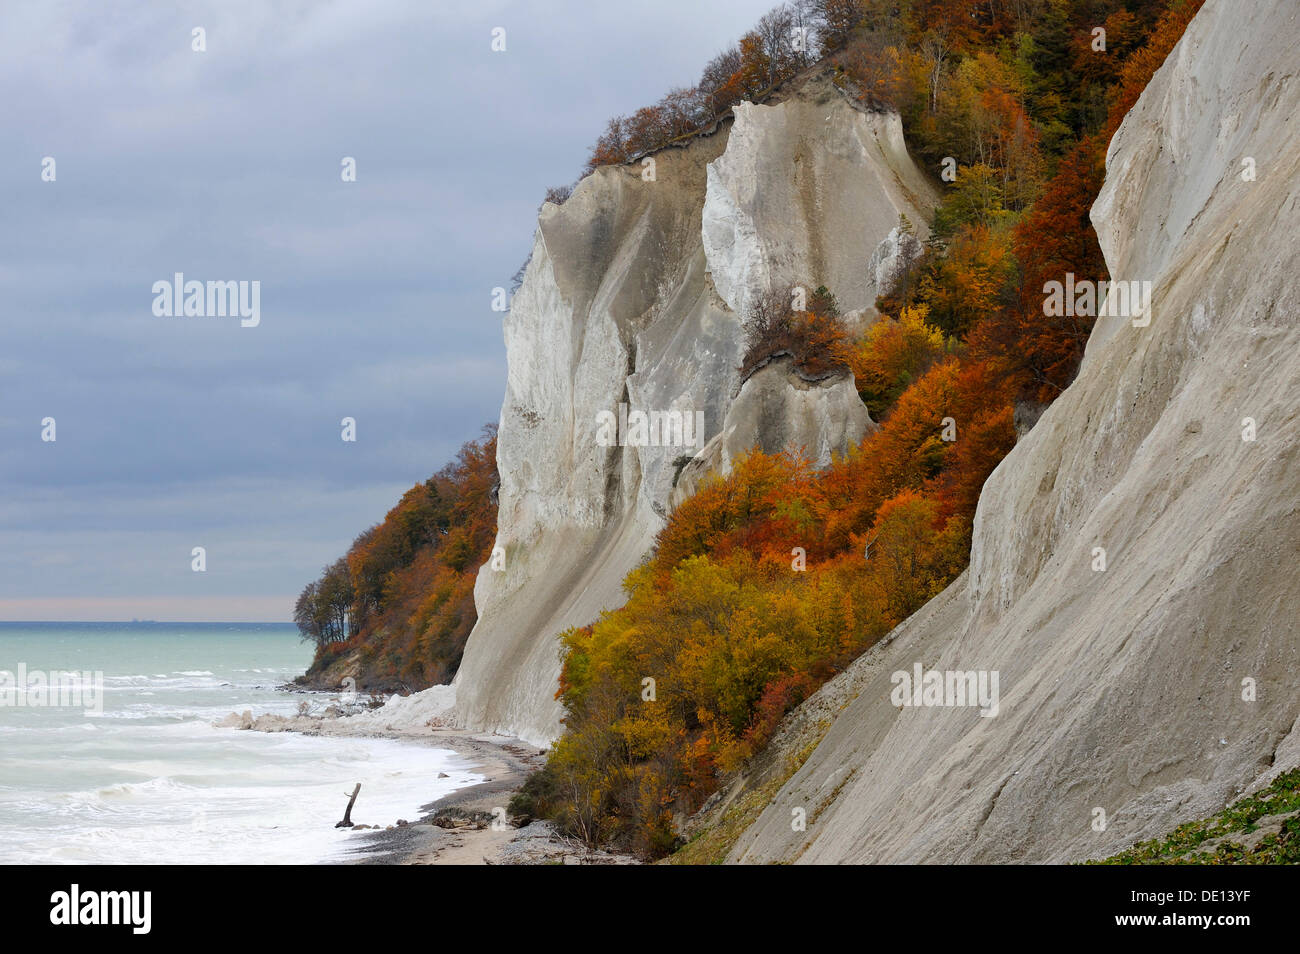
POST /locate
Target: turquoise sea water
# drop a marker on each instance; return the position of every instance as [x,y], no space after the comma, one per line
[148,779]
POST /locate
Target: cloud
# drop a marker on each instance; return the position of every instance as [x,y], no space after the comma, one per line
[224,165]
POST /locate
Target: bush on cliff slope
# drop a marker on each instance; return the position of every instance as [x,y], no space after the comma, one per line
[806,327]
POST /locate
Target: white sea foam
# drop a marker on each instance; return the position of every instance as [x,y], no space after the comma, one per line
[152,781]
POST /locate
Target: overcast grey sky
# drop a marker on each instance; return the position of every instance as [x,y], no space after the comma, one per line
[375,295]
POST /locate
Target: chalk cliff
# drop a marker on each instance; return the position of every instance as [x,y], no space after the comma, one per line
[1126,689]
[635,295]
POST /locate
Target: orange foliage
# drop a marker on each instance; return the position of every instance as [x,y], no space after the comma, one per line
[974,279]
[893,355]
[814,338]
[413,575]
[1055,238]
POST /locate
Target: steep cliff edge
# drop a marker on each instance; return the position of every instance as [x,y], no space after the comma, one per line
[634,296]
[1125,689]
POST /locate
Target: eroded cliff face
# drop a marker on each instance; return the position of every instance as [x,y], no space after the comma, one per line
[1124,689]
[634,296]
[802,191]
[778,410]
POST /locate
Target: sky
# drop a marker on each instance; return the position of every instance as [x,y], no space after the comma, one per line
[225,164]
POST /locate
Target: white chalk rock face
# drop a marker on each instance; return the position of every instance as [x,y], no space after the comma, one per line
[899,251]
[802,190]
[779,410]
[617,307]
[1161,686]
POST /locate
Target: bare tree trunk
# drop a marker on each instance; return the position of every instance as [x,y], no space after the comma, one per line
[347,815]
[935,50]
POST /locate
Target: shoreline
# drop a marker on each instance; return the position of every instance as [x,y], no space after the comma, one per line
[504,762]
[463,827]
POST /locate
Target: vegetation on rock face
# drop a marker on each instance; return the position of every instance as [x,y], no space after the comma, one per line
[780,44]
[809,331]
[762,586]
[1018,102]
[403,596]
[1262,829]
[766,583]
[894,354]
[1013,101]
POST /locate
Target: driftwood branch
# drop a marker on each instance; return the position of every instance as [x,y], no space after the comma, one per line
[347,815]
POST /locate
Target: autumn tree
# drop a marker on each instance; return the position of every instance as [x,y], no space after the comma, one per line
[835,21]
[1055,238]
[775,31]
[718,85]
[892,355]
[812,335]
[910,556]
[971,279]
[975,197]
[323,611]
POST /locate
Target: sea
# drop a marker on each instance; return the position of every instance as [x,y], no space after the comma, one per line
[121,763]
